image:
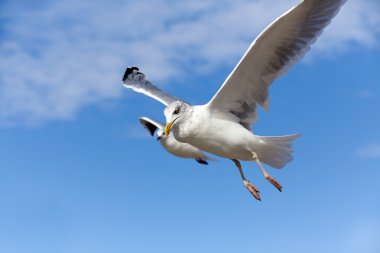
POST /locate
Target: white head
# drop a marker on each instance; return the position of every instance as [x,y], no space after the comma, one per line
[174,113]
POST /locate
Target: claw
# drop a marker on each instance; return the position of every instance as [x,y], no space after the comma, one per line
[274,183]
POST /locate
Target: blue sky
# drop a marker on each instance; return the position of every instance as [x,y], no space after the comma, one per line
[79,174]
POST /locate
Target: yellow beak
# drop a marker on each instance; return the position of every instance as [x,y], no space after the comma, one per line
[168,127]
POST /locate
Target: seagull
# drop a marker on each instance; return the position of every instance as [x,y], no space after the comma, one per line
[223,126]
[171,145]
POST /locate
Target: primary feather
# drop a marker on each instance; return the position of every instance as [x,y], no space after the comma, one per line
[274,51]
[135,80]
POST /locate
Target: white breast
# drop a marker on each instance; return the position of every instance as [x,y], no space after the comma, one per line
[180,149]
[217,136]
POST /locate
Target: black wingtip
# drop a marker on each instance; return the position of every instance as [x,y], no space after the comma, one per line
[149,126]
[201,161]
[128,71]
[152,128]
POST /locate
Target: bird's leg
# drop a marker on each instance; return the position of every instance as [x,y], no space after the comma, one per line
[251,188]
[266,175]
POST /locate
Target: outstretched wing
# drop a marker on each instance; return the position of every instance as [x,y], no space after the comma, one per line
[273,52]
[151,125]
[135,80]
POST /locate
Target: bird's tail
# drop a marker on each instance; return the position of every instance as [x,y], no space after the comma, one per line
[276,150]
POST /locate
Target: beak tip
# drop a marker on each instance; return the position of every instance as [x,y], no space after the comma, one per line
[168,128]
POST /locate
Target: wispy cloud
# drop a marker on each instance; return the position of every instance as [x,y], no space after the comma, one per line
[365,94]
[370,151]
[138,132]
[358,23]
[363,236]
[59,56]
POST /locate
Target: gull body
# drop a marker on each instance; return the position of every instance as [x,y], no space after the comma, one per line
[226,138]
[222,138]
[223,125]
[170,144]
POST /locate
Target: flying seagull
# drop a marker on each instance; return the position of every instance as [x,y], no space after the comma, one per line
[223,125]
[171,145]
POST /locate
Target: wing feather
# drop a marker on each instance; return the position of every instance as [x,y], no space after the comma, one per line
[135,80]
[151,125]
[274,51]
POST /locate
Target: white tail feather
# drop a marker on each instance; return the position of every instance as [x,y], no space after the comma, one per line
[276,150]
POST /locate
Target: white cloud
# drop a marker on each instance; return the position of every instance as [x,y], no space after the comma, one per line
[370,151]
[365,94]
[358,23]
[363,237]
[60,56]
[138,132]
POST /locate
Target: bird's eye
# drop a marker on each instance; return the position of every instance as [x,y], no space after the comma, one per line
[176,111]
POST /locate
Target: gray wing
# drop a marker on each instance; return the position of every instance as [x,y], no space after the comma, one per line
[135,80]
[151,125]
[273,52]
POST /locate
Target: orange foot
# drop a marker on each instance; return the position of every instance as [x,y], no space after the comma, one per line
[274,182]
[252,189]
